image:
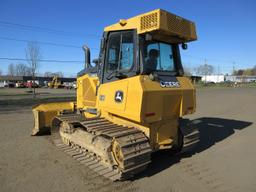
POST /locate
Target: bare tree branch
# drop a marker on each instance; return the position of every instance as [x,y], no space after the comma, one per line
[22,70]
[205,69]
[33,56]
[187,71]
[52,74]
[11,69]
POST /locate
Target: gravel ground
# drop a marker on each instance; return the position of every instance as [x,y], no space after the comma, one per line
[223,160]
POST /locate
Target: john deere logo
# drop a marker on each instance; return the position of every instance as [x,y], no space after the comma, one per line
[169,84]
[119,96]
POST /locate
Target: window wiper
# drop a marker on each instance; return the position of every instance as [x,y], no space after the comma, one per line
[120,75]
[111,75]
[116,74]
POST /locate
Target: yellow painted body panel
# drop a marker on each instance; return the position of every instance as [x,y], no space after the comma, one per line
[131,106]
[143,96]
[148,106]
[86,91]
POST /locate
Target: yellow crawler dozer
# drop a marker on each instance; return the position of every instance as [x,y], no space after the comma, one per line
[129,104]
[55,83]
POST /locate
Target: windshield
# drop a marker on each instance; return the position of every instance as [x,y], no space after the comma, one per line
[158,56]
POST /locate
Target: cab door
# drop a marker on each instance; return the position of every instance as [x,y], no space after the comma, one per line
[120,56]
[119,64]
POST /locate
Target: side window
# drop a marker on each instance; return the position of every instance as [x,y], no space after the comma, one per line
[152,57]
[127,51]
[158,57]
[120,51]
[166,57]
[113,52]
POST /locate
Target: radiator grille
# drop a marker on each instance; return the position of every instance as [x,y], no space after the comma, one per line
[148,21]
[178,25]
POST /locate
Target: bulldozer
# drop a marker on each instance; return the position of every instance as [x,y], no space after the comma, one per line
[55,83]
[130,101]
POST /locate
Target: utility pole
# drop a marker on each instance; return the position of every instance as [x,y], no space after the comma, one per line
[233,71]
[205,71]
[218,73]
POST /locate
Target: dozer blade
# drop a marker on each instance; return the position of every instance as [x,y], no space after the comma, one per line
[45,113]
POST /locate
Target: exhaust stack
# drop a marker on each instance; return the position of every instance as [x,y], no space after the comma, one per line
[87,57]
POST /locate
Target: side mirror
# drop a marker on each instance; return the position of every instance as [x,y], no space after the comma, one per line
[148,37]
[102,43]
[96,61]
[184,46]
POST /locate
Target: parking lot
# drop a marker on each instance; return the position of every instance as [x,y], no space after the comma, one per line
[223,160]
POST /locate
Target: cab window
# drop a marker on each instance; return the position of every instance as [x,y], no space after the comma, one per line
[158,56]
[120,53]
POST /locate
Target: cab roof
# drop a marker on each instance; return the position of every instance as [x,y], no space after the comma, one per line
[161,24]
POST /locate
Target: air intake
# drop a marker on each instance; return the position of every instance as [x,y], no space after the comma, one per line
[180,26]
[149,22]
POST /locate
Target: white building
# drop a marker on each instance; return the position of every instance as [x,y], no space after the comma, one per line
[241,79]
[233,78]
[213,78]
[3,84]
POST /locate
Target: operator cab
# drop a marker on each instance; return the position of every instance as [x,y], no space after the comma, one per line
[126,54]
[147,44]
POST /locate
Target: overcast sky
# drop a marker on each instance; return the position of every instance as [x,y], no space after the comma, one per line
[226,30]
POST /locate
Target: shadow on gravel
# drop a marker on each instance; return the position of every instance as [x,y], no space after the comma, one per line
[10,106]
[211,130]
